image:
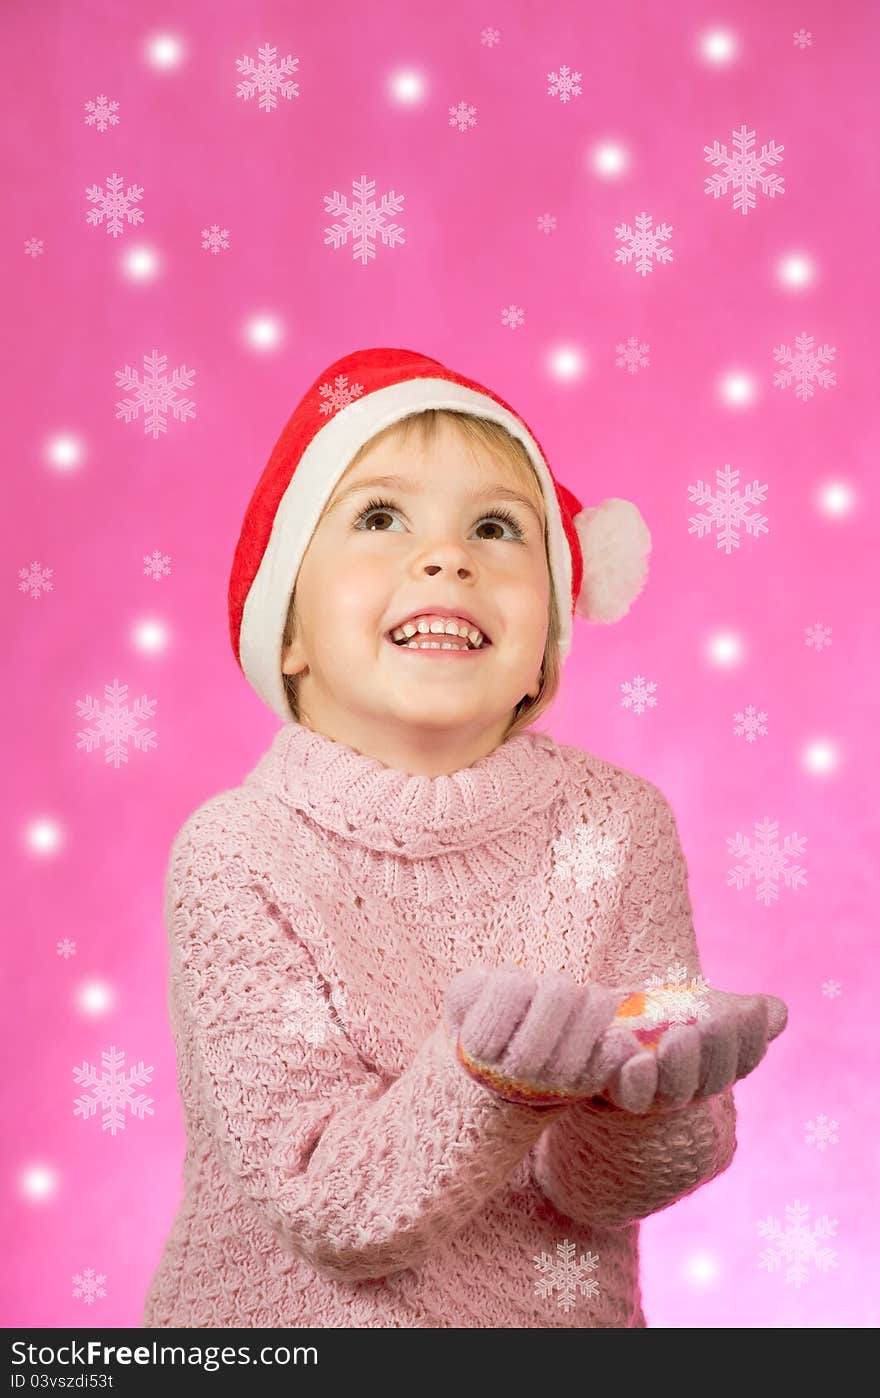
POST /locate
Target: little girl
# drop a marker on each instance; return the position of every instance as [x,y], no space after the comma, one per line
[442,1033]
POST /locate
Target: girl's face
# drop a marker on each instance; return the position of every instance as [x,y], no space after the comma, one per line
[437,542]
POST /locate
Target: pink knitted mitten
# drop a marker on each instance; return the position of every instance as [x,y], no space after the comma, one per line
[686,1043]
[529,1038]
[545,1040]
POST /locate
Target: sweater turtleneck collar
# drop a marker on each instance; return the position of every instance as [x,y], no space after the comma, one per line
[397,812]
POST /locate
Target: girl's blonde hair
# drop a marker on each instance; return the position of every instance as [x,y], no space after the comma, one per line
[476,431]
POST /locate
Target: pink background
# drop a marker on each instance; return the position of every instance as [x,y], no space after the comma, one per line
[87,839]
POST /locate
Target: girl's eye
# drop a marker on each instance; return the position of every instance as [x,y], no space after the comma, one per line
[387,506]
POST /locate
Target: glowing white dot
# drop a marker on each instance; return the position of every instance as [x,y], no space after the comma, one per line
[796,270]
[718,46]
[702,1269]
[725,649]
[43,836]
[565,363]
[836,498]
[407,88]
[38,1182]
[140,263]
[164,51]
[610,159]
[263,332]
[150,636]
[820,756]
[95,998]
[64,451]
[737,388]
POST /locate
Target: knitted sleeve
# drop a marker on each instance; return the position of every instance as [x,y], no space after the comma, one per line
[358,1174]
[596,1163]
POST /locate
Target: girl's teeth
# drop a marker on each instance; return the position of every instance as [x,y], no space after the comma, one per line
[437,628]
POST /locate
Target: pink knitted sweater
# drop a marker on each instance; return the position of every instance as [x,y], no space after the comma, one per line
[342,1169]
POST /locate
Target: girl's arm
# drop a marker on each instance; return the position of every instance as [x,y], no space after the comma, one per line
[603,1166]
[359,1176]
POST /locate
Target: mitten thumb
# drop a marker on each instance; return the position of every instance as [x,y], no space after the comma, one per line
[462,992]
[777,1016]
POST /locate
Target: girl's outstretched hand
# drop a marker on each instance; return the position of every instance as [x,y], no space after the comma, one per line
[545,1040]
[685,1044]
[527,1037]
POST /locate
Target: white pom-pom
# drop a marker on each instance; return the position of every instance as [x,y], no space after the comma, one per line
[615,544]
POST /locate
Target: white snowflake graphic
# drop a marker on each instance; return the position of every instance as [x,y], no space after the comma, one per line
[489,37]
[36,580]
[565,1275]
[310,1014]
[797,1245]
[66,948]
[112,1090]
[588,858]
[157,565]
[363,219]
[676,998]
[512,316]
[155,393]
[818,636]
[88,1285]
[215,238]
[116,723]
[463,116]
[638,695]
[831,989]
[547,223]
[113,205]
[744,169]
[821,1132]
[633,355]
[804,366]
[644,243]
[728,509]
[765,860]
[563,84]
[102,113]
[803,38]
[338,394]
[750,723]
[34,247]
[267,77]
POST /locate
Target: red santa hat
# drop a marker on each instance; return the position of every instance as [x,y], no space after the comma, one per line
[598,555]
